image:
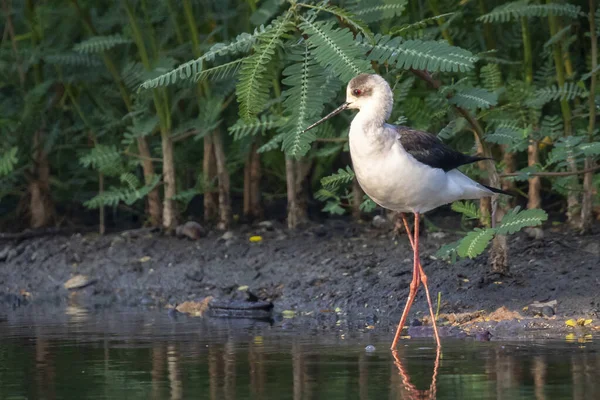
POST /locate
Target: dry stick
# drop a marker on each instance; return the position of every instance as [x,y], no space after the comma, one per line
[588,184]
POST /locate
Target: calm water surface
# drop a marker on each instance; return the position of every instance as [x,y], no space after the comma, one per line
[81,355]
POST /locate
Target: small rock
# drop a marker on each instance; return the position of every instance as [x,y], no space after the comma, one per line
[227,236]
[268,225]
[593,248]
[191,229]
[484,336]
[536,233]
[380,222]
[370,348]
[437,235]
[33,256]
[4,253]
[78,282]
[547,311]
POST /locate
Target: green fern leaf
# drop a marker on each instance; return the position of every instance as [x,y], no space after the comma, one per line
[333,47]
[98,44]
[552,126]
[243,128]
[491,76]
[558,36]
[567,92]
[265,12]
[8,160]
[253,85]
[515,220]
[130,179]
[220,72]
[72,59]
[466,208]
[189,70]
[504,135]
[272,144]
[517,9]
[376,10]
[475,242]
[309,89]
[590,149]
[448,251]
[345,16]
[367,205]
[419,25]
[418,54]
[342,177]
[105,159]
[473,98]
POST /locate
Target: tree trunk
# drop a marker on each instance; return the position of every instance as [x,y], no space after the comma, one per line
[485,203]
[154,204]
[169,211]
[498,258]
[209,173]
[224,185]
[510,165]
[256,210]
[296,206]
[535,183]
[41,206]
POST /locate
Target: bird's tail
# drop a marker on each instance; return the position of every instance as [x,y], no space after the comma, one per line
[499,191]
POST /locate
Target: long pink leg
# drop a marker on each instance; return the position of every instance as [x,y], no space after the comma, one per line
[414,285]
[422,274]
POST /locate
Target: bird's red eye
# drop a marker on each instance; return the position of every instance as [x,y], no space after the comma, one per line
[356,92]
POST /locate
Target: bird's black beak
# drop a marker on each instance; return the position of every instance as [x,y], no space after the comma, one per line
[331,114]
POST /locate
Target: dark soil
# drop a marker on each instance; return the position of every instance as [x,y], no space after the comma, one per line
[320,272]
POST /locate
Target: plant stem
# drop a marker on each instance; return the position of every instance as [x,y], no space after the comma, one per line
[588,179]
[572,198]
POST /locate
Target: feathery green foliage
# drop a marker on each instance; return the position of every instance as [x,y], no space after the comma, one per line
[523,8]
[98,44]
[376,10]
[254,83]
[544,95]
[418,54]
[332,47]
[343,176]
[8,160]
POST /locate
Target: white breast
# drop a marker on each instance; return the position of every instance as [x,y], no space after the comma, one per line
[396,180]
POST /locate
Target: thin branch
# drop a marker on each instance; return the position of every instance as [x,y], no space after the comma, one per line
[566,173]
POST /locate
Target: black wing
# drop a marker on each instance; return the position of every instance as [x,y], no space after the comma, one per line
[429,150]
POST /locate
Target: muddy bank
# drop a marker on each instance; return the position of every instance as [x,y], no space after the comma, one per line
[320,273]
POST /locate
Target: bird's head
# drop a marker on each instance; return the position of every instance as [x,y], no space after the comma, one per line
[365,91]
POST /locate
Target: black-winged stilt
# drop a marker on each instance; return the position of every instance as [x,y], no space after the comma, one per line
[403,169]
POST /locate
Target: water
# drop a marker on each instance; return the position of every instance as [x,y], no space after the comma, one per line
[81,355]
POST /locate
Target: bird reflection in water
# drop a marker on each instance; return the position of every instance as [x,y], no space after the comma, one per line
[410,390]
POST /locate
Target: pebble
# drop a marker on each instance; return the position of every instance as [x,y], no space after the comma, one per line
[4,253]
[227,236]
[268,225]
[78,282]
[370,348]
[191,230]
[535,233]
[547,311]
[380,222]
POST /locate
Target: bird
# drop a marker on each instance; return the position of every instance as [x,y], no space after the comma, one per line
[403,169]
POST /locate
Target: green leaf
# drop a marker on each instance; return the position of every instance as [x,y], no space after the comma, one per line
[567,92]
[309,88]
[367,205]
[473,98]
[346,17]
[376,10]
[98,44]
[466,208]
[515,220]
[517,9]
[343,176]
[418,54]
[590,149]
[243,128]
[220,72]
[254,77]
[504,135]
[8,160]
[475,242]
[333,47]
[448,251]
